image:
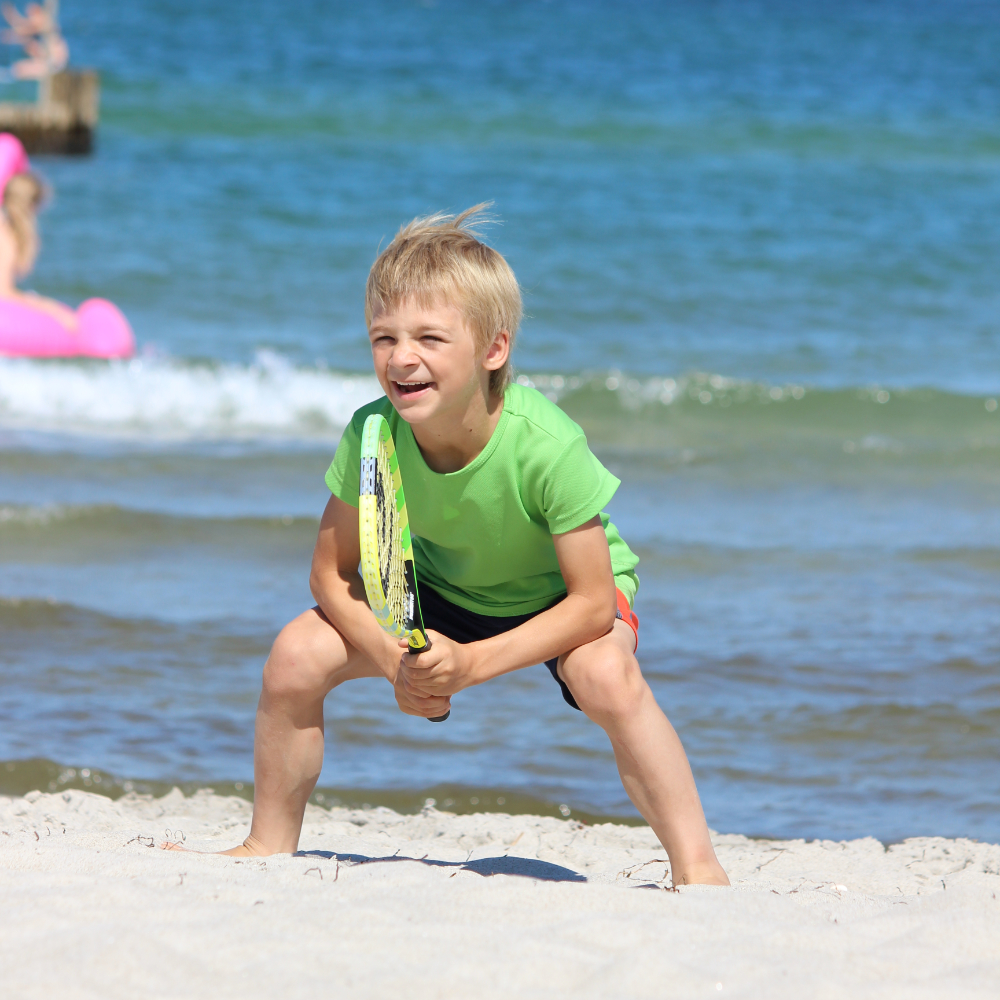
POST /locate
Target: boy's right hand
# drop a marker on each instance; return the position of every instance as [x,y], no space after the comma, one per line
[414,704]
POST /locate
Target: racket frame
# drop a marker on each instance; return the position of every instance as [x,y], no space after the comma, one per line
[376,433]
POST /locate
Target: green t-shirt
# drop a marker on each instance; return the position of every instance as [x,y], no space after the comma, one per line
[483,534]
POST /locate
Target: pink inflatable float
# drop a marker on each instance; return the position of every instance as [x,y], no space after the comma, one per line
[102,332]
[25,331]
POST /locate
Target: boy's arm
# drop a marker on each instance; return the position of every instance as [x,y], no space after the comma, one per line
[586,613]
[340,593]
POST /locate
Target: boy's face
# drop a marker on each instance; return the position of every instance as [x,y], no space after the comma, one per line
[427,360]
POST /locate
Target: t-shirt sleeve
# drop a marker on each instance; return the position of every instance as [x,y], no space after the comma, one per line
[344,475]
[577,487]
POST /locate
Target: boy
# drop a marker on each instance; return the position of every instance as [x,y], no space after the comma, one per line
[516,562]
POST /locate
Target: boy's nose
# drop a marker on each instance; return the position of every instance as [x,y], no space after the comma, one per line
[403,357]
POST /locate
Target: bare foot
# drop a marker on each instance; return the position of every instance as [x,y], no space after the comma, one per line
[243,851]
[176,845]
[250,848]
[702,873]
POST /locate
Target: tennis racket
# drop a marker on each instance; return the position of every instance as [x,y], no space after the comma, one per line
[386,546]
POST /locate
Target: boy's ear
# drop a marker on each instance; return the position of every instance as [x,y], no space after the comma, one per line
[498,352]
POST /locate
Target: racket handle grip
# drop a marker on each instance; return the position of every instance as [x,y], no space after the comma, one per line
[417,652]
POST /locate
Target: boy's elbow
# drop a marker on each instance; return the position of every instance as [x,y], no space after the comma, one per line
[601,619]
[315,583]
[326,580]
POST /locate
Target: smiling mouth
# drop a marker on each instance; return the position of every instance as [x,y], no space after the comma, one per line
[408,388]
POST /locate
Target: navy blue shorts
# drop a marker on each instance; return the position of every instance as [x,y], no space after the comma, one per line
[470,626]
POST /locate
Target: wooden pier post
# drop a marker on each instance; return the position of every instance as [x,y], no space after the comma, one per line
[63,119]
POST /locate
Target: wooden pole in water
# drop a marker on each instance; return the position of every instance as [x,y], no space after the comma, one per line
[63,119]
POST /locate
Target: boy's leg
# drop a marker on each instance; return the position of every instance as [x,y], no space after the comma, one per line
[608,685]
[308,659]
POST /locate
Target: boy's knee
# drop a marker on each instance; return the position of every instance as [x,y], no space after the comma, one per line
[295,666]
[606,685]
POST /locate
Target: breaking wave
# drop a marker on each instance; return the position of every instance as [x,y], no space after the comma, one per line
[166,399]
[173,400]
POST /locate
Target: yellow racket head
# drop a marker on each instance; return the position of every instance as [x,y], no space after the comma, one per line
[386,546]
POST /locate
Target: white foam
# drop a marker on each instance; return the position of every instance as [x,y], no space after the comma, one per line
[20,514]
[165,399]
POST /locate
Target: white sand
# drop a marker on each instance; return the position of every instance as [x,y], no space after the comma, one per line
[437,905]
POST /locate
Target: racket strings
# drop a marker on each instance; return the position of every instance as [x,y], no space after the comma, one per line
[390,551]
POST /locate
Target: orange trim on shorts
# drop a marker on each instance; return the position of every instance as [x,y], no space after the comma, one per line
[627,615]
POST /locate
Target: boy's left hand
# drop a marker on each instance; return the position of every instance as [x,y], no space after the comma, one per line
[445,669]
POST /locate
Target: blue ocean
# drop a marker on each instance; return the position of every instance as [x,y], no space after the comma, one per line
[759,247]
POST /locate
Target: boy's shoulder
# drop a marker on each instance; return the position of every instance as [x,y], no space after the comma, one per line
[539,415]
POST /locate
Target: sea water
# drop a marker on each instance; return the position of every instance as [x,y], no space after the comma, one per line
[758,244]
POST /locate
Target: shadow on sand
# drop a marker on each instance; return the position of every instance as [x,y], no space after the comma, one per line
[522,867]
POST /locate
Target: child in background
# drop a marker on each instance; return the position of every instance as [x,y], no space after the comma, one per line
[30,324]
[23,195]
[517,562]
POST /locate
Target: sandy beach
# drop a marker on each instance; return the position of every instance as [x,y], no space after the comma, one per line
[379,904]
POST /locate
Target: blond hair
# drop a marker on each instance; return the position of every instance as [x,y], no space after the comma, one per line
[442,257]
[22,198]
